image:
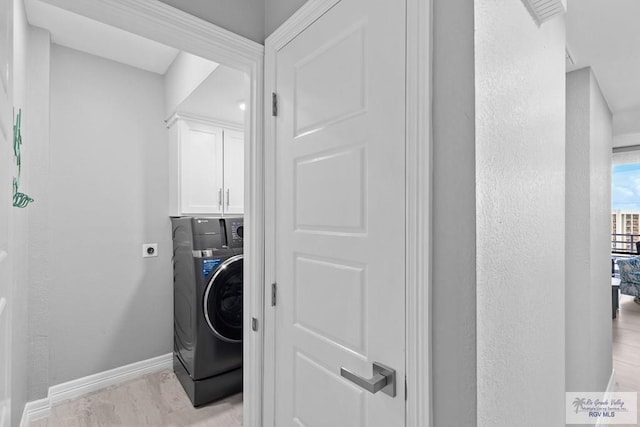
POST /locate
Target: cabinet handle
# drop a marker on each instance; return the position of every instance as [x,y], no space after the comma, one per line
[227,198]
[220,198]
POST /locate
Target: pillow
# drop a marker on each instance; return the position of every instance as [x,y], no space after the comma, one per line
[628,267]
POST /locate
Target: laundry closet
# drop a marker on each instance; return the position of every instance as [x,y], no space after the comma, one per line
[137,132]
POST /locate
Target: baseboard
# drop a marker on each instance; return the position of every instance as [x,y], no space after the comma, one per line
[611,387]
[35,410]
[5,413]
[91,383]
[82,386]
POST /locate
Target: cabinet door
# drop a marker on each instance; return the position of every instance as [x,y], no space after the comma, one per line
[201,172]
[233,172]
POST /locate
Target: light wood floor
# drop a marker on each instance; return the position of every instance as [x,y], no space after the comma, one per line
[153,400]
[158,399]
[626,346]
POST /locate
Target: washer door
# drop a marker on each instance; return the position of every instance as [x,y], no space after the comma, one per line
[223,300]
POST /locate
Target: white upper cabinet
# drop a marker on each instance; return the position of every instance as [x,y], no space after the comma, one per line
[205,104]
[207,168]
[233,167]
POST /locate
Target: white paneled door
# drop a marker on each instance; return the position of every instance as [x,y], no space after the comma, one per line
[340,219]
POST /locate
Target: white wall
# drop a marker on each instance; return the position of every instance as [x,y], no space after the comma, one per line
[7,168]
[184,75]
[588,242]
[108,195]
[38,243]
[520,193]
[454,216]
[244,17]
[18,232]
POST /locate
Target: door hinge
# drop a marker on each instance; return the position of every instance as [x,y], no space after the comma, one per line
[274,288]
[405,388]
[274,104]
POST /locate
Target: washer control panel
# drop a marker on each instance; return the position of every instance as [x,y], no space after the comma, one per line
[235,232]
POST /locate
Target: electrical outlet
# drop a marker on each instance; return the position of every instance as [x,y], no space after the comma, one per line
[149,250]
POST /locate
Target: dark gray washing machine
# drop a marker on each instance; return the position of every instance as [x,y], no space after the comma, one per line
[208,278]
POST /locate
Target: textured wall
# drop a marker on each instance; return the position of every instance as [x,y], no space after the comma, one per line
[588,242]
[108,195]
[454,215]
[520,170]
[600,174]
[39,257]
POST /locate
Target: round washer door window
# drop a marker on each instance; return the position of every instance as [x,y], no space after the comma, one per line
[223,300]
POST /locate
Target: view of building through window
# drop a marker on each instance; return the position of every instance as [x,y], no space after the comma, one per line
[625,207]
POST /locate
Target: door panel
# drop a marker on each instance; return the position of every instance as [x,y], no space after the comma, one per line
[318,282]
[234,171]
[344,208]
[340,216]
[201,169]
[324,94]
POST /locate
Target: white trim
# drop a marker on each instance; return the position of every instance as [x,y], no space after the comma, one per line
[418,208]
[203,120]
[418,232]
[34,411]
[305,16]
[254,252]
[269,236]
[91,383]
[83,386]
[611,387]
[165,24]
[168,25]
[5,413]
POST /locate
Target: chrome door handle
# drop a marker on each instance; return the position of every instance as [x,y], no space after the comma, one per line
[227,198]
[384,378]
[220,198]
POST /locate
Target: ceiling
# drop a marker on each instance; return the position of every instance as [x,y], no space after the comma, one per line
[89,36]
[218,96]
[605,35]
[602,34]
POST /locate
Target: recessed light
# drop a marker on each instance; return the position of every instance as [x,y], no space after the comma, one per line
[242,106]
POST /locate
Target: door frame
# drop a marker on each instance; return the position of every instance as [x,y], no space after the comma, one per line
[418,202]
[170,26]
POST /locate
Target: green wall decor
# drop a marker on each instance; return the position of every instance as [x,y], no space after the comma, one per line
[20,200]
[17,140]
